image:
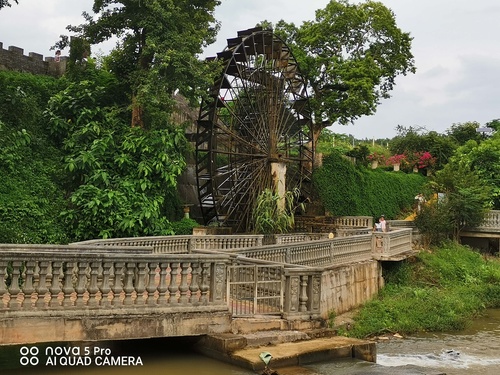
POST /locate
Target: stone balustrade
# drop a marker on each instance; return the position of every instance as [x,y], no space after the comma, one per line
[353,221]
[182,244]
[315,253]
[72,277]
[340,225]
[393,243]
[491,220]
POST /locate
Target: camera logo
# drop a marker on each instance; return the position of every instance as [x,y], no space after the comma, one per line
[29,356]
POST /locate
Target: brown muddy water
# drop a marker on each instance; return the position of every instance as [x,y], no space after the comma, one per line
[475,351]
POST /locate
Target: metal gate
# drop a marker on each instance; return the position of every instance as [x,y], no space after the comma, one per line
[255,290]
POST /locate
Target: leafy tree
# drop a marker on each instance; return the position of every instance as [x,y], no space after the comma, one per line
[461,200]
[413,140]
[157,52]
[6,3]
[350,56]
[484,159]
[122,179]
[494,124]
[461,133]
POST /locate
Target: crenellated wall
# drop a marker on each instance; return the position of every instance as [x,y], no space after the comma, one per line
[13,58]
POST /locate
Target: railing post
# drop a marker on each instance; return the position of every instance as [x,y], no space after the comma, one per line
[183,287]
[42,283]
[140,283]
[55,287]
[118,285]
[194,287]
[29,288]
[205,278]
[128,286]
[14,289]
[81,286]
[3,284]
[172,287]
[151,287]
[163,287]
[105,287]
[218,282]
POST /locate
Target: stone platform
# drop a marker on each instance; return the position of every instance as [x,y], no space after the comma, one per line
[288,348]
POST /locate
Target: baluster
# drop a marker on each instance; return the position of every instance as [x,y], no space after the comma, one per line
[42,283]
[55,287]
[28,284]
[172,287]
[183,287]
[163,286]
[194,287]
[68,288]
[140,287]
[81,286]
[129,284]
[151,284]
[4,293]
[14,289]
[105,285]
[205,279]
[303,294]
[93,288]
[118,284]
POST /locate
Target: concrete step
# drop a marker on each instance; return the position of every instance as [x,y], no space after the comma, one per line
[287,348]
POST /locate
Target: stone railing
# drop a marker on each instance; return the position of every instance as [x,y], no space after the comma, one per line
[315,254]
[182,244]
[353,221]
[393,243]
[340,225]
[491,220]
[72,277]
[347,231]
[336,251]
[298,237]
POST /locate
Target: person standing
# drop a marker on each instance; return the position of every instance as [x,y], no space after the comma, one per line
[383,224]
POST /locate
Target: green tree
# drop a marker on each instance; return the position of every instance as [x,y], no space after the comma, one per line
[411,140]
[350,56]
[463,132]
[484,159]
[122,179]
[6,3]
[461,200]
[157,51]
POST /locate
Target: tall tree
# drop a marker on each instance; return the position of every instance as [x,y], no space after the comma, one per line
[157,51]
[350,55]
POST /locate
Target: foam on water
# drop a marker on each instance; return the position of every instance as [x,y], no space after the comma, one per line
[448,358]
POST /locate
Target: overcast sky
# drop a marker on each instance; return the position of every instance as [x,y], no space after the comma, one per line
[455,45]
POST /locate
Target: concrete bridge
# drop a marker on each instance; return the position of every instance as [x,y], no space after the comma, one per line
[189,285]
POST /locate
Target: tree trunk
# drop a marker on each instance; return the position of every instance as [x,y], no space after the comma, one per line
[137,113]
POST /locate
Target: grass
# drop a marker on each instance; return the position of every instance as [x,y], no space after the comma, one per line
[439,290]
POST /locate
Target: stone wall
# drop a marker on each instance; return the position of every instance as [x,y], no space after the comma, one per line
[347,287]
[14,59]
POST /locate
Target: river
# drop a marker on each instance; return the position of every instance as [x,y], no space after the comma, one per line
[475,351]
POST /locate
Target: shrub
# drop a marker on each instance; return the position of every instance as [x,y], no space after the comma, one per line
[346,189]
[184,226]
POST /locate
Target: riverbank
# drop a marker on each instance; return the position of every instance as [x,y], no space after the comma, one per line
[435,291]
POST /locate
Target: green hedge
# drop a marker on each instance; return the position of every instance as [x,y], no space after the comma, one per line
[346,189]
[31,195]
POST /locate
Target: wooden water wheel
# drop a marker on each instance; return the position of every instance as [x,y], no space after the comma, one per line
[254,131]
